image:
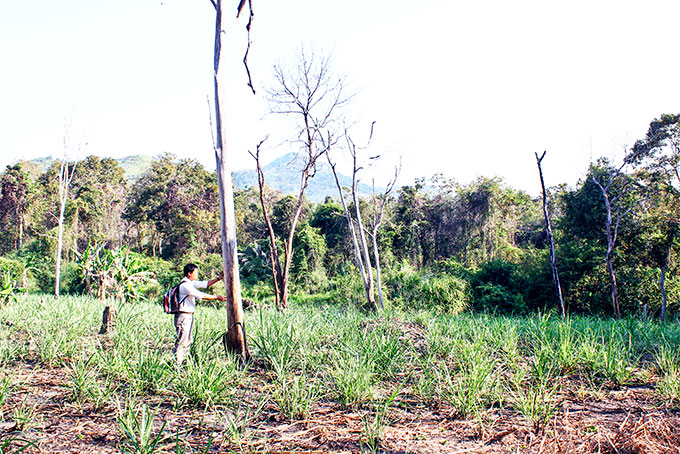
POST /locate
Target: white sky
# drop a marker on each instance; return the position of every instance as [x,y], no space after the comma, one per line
[465,88]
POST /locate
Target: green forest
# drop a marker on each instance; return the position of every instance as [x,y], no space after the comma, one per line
[444,245]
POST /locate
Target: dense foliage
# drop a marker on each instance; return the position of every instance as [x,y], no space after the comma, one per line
[445,245]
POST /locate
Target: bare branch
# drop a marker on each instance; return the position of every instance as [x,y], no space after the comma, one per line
[239,9]
[541,158]
[46,235]
[370,136]
[212,128]
[248,27]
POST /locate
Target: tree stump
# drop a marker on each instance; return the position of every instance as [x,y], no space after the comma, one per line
[108,320]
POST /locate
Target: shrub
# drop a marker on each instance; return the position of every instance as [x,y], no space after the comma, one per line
[412,289]
[347,287]
[71,279]
[307,267]
[445,292]
[498,287]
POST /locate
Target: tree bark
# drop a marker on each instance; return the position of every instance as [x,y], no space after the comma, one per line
[64,181]
[364,262]
[277,272]
[611,231]
[350,223]
[551,240]
[235,338]
[108,319]
[288,257]
[368,283]
[378,277]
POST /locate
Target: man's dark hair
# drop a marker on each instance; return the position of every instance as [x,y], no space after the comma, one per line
[189,268]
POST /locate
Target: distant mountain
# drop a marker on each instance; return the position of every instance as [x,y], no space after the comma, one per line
[135,166]
[283,174]
[42,163]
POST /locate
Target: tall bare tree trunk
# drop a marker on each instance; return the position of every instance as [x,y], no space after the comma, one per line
[612,281]
[235,337]
[378,215]
[551,239]
[65,177]
[368,284]
[611,229]
[277,272]
[288,257]
[21,231]
[350,224]
[314,96]
[364,260]
[378,276]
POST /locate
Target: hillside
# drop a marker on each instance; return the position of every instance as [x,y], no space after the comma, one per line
[283,174]
[133,166]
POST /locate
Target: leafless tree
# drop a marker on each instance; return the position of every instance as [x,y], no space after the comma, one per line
[379,202]
[615,212]
[551,239]
[313,96]
[356,224]
[277,272]
[66,172]
[235,338]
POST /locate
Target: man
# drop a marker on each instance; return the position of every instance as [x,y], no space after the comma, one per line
[184,318]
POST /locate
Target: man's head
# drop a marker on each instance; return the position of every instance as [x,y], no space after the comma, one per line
[191,271]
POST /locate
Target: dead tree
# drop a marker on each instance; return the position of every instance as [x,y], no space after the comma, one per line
[277,272]
[615,212]
[66,173]
[234,339]
[356,225]
[313,96]
[365,274]
[378,216]
[551,239]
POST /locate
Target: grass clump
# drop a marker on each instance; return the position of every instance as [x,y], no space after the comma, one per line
[136,423]
[295,393]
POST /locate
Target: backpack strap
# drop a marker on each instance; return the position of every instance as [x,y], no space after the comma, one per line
[179,288]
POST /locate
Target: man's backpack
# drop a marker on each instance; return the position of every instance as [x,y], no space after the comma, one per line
[171,300]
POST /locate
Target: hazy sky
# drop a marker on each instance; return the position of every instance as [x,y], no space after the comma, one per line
[460,88]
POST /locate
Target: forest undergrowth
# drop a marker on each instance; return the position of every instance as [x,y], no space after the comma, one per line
[329,378]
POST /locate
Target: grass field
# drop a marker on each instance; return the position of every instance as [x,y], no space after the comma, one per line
[333,379]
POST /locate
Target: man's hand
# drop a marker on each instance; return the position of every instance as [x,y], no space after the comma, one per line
[221,297]
[217,279]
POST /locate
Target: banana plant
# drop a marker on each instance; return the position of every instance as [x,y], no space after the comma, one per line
[115,274]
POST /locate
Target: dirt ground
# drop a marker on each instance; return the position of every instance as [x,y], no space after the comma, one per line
[625,420]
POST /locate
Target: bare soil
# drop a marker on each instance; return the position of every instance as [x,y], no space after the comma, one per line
[628,419]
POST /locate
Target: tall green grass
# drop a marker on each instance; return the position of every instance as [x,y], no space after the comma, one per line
[321,352]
